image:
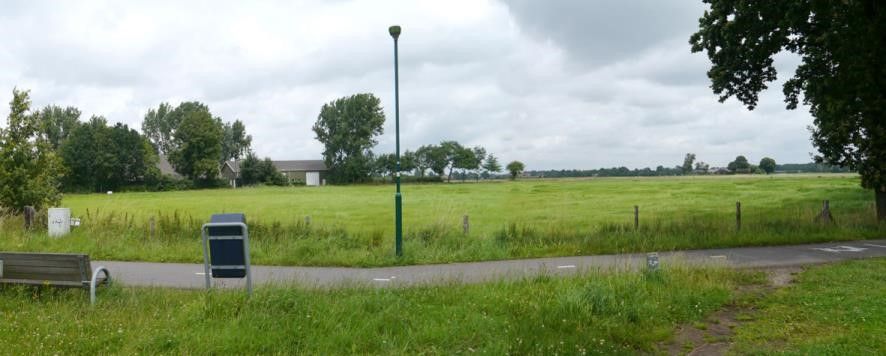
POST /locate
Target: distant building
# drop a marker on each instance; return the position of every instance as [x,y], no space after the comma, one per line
[309,172]
[166,167]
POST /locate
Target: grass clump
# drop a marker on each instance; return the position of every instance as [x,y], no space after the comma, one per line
[593,313]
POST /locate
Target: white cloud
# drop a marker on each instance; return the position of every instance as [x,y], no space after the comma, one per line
[567,84]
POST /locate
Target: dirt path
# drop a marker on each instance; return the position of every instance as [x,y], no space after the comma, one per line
[713,335]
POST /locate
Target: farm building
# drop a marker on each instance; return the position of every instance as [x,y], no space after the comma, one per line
[166,167]
[309,172]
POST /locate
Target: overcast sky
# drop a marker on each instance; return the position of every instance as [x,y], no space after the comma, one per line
[555,84]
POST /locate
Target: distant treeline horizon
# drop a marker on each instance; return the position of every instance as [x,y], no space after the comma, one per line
[810,167]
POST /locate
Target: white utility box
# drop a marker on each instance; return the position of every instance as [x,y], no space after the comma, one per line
[59,220]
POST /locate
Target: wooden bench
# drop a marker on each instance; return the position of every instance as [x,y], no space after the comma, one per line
[52,269]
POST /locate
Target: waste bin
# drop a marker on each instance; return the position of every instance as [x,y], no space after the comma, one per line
[226,248]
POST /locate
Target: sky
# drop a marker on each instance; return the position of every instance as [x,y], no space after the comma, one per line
[569,84]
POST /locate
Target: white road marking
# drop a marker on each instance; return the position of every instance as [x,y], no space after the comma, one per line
[200,273]
[381,279]
[719,256]
[875,245]
[840,249]
[566,266]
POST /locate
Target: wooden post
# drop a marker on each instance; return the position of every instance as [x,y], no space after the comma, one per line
[636,217]
[466,224]
[825,215]
[29,213]
[307,220]
[738,216]
[152,227]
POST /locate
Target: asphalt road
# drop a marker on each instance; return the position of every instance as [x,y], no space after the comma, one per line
[179,275]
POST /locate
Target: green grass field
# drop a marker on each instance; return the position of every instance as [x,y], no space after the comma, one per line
[830,310]
[589,314]
[353,225]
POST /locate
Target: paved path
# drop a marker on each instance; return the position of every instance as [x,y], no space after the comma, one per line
[178,275]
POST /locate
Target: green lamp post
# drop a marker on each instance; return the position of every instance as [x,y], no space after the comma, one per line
[398,199]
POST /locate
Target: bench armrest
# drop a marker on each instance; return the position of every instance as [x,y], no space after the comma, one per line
[92,282]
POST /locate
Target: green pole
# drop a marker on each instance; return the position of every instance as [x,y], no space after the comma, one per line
[398,199]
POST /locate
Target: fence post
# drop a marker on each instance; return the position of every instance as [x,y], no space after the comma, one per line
[152,226]
[825,215]
[738,216]
[636,217]
[29,216]
[466,224]
[307,220]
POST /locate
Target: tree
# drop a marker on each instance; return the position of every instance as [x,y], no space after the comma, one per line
[57,123]
[687,163]
[407,161]
[431,157]
[90,158]
[454,153]
[250,170]
[479,154]
[841,78]
[739,165]
[515,168]
[347,128]
[99,157]
[197,143]
[159,127]
[29,168]
[235,142]
[702,167]
[491,164]
[385,164]
[468,159]
[767,164]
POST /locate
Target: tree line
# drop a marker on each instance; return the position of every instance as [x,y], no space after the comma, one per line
[347,127]
[46,151]
[690,166]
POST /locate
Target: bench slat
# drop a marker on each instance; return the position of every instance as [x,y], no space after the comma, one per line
[46,263]
[41,256]
[64,277]
[37,282]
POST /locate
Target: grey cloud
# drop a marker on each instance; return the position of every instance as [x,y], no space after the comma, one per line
[602,32]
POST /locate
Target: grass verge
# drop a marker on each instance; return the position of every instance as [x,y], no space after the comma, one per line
[594,313]
[829,310]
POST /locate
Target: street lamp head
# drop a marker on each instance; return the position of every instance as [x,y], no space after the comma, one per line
[394,31]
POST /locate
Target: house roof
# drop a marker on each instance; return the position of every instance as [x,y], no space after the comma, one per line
[166,167]
[304,165]
[287,166]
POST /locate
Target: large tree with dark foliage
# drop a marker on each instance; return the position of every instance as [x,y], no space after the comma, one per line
[29,168]
[347,127]
[99,157]
[196,145]
[842,77]
[256,171]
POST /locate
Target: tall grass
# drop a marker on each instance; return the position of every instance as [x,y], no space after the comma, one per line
[594,313]
[176,238]
[509,220]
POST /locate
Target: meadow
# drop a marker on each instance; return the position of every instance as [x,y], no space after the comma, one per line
[353,225]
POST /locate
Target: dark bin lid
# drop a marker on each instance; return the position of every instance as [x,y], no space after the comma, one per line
[228,218]
[227,230]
